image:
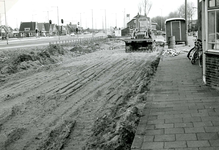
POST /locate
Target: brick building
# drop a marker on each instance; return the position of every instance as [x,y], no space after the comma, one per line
[208,13]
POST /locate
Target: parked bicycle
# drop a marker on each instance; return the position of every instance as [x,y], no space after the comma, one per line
[195,54]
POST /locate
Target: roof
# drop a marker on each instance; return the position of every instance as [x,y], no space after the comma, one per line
[40,26]
[138,16]
[174,19]
[31,25]
[47,26]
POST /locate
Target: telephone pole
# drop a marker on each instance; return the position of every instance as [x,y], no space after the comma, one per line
[186,43]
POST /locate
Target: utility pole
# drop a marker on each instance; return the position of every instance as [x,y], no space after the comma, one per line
[161,20]
[58,20]
[186,43]
[124,17]
[5,21]
[92,23]
[105,20]
[5,14]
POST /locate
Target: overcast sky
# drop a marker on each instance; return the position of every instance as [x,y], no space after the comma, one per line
[81,11]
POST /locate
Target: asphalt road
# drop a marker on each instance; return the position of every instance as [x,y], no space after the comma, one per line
[35,42]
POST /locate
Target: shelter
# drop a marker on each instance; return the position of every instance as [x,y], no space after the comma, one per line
[176,27]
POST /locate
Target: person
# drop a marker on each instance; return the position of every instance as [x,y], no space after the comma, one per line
[134,33]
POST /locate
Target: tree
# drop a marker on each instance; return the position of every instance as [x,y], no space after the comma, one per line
[146,6]
[190,10]
[174,14]
[190,13]
[160,22]
[139,8]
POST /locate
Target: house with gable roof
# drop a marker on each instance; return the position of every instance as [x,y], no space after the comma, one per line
[41,29]
[28,29]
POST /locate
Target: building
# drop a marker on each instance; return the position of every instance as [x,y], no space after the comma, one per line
[41,29]
[6,31]
[208,15]
[27,29]
[47,28]
[132,24]
[175,27]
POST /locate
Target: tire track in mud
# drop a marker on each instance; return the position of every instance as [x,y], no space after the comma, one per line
[70,108]
[10,115]
[81,103]
[83,129]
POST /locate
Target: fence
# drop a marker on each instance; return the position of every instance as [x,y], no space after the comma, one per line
[78,41]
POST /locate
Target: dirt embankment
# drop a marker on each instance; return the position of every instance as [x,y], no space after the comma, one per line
[86,97]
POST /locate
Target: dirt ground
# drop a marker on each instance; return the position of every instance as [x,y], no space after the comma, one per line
[89,101]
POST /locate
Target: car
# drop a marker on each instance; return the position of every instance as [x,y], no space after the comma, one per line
[72,34]
[86,32]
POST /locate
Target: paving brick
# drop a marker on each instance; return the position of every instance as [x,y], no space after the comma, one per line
[207,136]
[198,143]
[212,129]
[164,138]
[149,138]
[159,121]
[186,149]
[200,115]
[150,127]
[202,124]
[138,140]
[209,118]
[174,130]
[177,144]
[192,119]
[186,137]
[152,145]
[214,142]
[178,125]
[158,126]
[213,113]
[176,120]
[154,132]
[194,130]
[209,148]
[215,123]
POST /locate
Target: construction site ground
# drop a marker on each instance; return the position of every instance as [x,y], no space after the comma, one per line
[73,97]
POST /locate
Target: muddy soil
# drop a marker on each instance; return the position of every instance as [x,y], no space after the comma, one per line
[92,101]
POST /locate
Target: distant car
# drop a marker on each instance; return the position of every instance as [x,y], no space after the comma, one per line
[72,34]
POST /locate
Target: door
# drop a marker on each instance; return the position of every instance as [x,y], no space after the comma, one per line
[176,30]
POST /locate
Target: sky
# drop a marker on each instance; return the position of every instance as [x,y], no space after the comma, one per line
[85,12]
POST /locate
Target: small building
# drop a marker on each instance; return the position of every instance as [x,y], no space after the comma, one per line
[176,27]
[27,29]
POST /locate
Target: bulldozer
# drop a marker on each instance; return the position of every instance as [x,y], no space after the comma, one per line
[142,37]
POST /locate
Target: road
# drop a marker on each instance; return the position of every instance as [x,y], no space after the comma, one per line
[39,41]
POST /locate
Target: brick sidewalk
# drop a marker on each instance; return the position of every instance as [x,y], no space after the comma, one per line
[181,112]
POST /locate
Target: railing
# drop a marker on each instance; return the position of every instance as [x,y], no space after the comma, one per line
[78,41]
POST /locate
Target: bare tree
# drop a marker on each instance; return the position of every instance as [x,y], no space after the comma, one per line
[190,10]
[139,8]
[146,5]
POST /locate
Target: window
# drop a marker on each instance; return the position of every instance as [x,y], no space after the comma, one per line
[213,3]
[213,29]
